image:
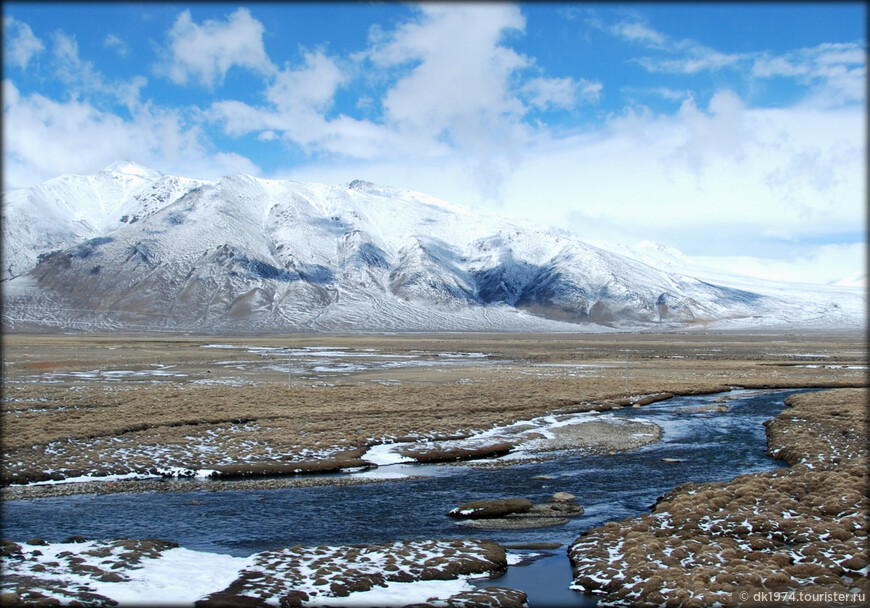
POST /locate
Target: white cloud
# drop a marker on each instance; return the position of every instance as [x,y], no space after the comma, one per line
[720,132]
[836,72]
[43,138]
[446,107]
[299,98]
[543,93]
[83,80]
[71,70]
[699,59]
[84,131]
[684,176]
[825,264]
[460,72]
[723,177]
[664,92]
[113,42]
[639,32]
[691,56]
[20,45]
[206,52]
[446,84]
[312,86]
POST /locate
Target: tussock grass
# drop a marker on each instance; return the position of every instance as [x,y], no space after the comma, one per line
[256,423]
[801,529]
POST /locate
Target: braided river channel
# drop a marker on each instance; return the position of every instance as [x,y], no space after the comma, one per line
[697,445]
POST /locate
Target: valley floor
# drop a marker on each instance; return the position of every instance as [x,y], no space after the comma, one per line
[98,406]
[107,406]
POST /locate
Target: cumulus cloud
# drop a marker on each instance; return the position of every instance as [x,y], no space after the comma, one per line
[459,88]
[719,132]
[785,173]
[206,52]
[312,86]
[461,72]
[84,130]
[299,97]
[43,138]
[442,82]
[20,45]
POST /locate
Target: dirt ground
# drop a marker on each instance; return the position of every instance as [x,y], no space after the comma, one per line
[78,405]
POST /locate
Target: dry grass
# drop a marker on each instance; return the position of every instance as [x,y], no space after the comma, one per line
[800,529]
[242,418]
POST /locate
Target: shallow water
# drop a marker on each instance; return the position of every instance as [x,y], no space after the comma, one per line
[711,446]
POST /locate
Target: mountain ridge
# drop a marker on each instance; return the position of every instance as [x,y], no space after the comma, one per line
[132,248]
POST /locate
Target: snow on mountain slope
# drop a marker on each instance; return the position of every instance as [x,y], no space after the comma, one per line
[65,211]
[130,248]
[842,303]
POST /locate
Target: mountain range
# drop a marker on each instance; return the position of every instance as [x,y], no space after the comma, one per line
[132,249]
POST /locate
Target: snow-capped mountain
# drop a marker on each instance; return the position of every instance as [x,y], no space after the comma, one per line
[131,248]
[70,209]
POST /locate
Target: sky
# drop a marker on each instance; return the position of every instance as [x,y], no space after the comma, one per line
[733,132]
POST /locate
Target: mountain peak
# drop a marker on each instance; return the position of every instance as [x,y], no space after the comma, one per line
[126,167]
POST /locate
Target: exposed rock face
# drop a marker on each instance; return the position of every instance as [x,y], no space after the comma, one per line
[798,529]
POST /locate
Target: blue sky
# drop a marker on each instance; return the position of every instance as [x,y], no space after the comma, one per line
[735,132]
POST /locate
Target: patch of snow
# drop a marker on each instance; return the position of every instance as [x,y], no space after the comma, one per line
[383,455]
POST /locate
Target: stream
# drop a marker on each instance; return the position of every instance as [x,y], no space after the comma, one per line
[698,445]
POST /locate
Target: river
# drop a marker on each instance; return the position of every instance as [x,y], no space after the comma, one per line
[696,445]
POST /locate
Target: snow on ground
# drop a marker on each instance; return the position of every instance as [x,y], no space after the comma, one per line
[383,454]
[129,572]
[308,362]
[542,434]
[152,572]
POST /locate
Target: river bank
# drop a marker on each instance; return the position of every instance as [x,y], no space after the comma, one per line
[260,406]
[795,536]
[704,438]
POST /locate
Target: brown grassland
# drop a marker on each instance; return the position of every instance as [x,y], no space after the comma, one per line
[94,404]
[796,536]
